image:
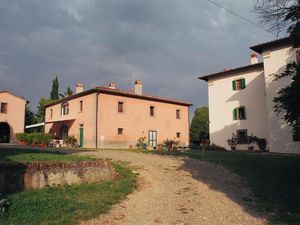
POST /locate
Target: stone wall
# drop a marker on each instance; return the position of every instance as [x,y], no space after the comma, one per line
[18,177]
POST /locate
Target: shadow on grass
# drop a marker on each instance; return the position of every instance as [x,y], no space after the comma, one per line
[273,179]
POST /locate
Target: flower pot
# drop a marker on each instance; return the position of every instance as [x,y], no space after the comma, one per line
[250,148]
[21,142]
[233,148]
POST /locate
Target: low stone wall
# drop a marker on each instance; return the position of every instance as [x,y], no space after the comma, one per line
[18,177]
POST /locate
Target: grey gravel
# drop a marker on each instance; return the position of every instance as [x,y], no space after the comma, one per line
[180,191]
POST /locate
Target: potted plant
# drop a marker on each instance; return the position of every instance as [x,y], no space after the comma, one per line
[21,137]
[262,143]
[250,141]
[142,143]
[170,144]
[232,142]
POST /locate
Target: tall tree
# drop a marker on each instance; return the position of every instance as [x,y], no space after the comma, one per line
[199,129]
[67,93]
[29,116]
[54,90]
[284,15]
[40,115]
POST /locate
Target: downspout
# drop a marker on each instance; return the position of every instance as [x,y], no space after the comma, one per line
[96,133]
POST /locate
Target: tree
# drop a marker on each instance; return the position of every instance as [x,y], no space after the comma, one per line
[40,115]
[29,116]
[199,129]
[54,90]
[67,93]
[285,15]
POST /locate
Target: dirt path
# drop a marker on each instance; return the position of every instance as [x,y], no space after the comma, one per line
[179,191]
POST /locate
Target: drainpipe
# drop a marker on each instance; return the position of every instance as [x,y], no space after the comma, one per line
[96,133]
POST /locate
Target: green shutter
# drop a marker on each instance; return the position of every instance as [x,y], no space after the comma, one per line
[243,83]
[233,85]
[234,112]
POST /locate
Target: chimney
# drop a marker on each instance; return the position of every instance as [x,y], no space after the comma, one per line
[79,87]
[138,87]
[112,85]
[254,59]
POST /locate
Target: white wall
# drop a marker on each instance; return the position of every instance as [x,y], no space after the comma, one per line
[280,136]
[222,101]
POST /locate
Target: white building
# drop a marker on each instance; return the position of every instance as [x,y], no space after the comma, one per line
[241,100]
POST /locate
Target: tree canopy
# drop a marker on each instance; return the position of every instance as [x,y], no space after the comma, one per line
[199,129]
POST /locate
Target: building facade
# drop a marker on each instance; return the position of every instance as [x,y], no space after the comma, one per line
[106,117]
[241,100]
[12,116]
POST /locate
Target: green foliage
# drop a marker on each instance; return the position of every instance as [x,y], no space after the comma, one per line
[170,143]
[199,129]
[69,92]
[40,115]
[251,139]
[233,141]
[142,143]
[21,136]
[4,204]
[287,103]
[54,90]
[71,141]
[26,155]
[29,116]
[38,138]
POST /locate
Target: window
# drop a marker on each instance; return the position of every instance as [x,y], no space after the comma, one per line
[242,136]
[80,106]
[238,84]
[3,108]
[152,111]
[120,107]
[120,131]
[152,139]
[51,113]
[177,114]
[239,113]
[65,108]
[178,134]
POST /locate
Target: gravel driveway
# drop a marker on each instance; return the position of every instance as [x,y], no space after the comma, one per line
[179,191]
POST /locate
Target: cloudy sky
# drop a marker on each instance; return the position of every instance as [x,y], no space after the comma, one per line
[165,43]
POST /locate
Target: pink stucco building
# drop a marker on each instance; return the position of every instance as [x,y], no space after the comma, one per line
[107,117]
[12,116]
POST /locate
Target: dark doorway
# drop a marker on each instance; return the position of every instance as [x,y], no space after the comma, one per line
[4,133]
[64,132]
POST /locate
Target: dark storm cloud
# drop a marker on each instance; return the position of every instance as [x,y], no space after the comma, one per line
[167,44]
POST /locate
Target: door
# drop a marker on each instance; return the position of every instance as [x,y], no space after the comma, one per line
[64,132]
[81,137]
[4,133]
[152,138]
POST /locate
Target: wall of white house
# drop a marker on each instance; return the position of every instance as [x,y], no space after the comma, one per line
[280,134]
[223,99]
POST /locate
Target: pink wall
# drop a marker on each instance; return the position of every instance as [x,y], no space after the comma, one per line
[15,115]
[135,121]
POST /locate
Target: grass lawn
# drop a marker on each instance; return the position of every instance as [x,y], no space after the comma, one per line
[274,180]
[67,204]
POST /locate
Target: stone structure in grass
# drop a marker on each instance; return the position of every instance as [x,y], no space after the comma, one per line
[37,175]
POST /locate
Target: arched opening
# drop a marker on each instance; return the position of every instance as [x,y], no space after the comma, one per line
[64,132]
[4,132]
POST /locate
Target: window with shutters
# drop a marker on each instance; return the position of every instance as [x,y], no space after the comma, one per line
[3,107]
[239,113]
[238,84]
[177,113]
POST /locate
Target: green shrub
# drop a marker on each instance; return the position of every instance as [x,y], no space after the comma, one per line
[71,141]
[38,138]
[21,136]
[142,143]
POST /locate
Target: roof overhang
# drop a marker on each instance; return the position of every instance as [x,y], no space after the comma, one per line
[276,43]
[57,121]
[231,71]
